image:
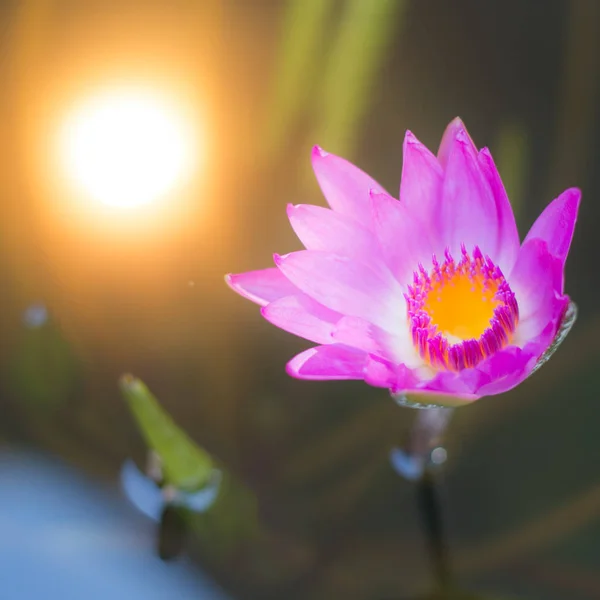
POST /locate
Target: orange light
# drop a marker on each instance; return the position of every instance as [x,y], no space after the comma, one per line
[127,147]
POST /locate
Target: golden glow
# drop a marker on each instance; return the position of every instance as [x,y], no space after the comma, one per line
[127,147]
[462,307]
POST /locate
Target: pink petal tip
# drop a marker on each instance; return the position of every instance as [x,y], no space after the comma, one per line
[318,152]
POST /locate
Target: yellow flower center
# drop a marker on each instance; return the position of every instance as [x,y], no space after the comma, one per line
[460,313]
[462,307]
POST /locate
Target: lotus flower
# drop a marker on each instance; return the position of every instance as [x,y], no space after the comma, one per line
[432,294]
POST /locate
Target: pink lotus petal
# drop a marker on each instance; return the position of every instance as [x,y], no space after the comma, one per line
[455,127]
[397,377]
[467,212]
[445,388]
[536,280]
[261,287]
[556,224]
[468,383]
[508,235]
[403,240]
[304,317]
[322,229]
[550,312]
[328,362]
[344,285]
[421,183]
[380,372]
[345,187]
[358,333]
[505,370]
[512,366]
[463,384]
[397,348]
[498,374]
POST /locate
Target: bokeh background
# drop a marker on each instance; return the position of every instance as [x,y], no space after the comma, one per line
[91,291]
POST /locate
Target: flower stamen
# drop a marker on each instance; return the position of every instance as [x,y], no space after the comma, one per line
[460,313]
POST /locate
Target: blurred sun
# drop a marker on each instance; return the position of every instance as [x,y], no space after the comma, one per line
[126,148]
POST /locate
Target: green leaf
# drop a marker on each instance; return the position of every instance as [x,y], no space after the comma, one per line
[185,465]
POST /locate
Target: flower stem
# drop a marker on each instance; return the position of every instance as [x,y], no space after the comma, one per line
[423,448]
[428,431]
[431,518]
